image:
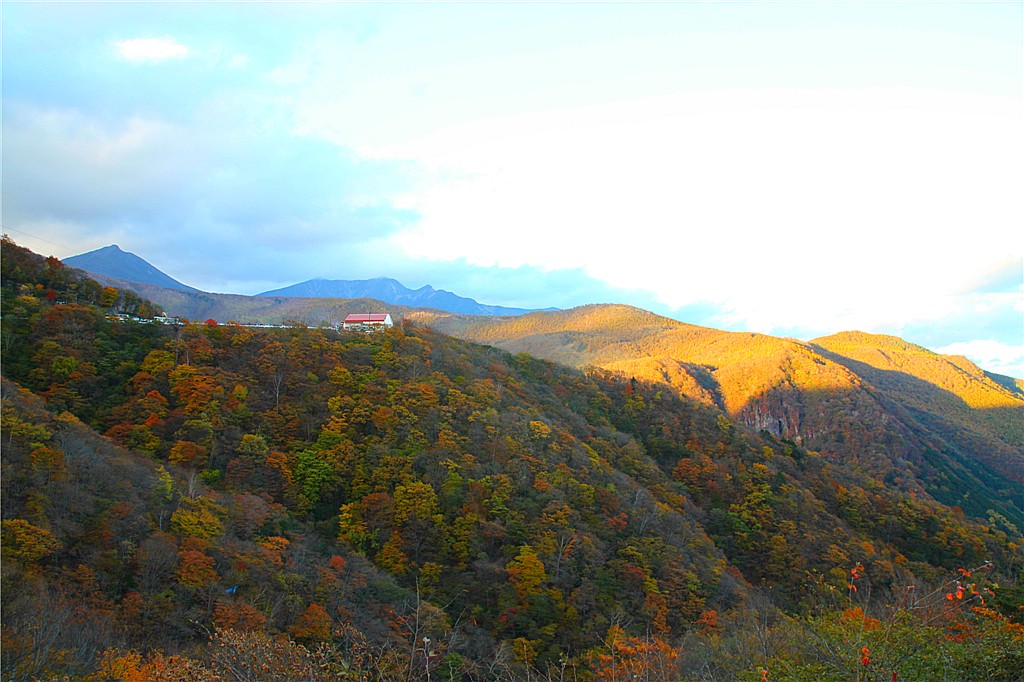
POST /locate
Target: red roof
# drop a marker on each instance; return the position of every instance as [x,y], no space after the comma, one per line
[356,318]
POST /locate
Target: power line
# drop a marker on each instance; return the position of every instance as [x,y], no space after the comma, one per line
[29,234]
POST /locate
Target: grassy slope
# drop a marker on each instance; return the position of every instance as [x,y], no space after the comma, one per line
[949,393]
[726,368]
[915,372]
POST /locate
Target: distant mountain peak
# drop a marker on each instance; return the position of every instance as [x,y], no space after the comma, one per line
[113,261]
[392,291]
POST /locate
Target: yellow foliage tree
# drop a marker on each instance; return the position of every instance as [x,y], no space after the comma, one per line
[26,543]
[526,572]
[200,518]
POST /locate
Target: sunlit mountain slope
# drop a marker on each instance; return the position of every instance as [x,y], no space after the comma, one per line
[908,414]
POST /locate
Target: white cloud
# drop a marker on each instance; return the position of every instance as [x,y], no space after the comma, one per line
[182,194]
[694,161]
[994,356]
[860,209]
[151,49]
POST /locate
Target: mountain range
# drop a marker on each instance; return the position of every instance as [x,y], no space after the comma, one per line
[112,263]
[392,291]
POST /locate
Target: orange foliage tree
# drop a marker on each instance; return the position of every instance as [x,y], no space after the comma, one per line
[313,625]
[622,657]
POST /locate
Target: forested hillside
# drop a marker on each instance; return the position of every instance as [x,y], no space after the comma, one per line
[213,502]
[911,417]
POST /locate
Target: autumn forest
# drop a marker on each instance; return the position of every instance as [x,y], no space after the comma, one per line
[210,501]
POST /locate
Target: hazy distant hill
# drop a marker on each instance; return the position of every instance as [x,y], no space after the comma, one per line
[907,413]
[113,262]
[202,305]
[392,291]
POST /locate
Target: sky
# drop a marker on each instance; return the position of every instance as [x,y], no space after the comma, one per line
[796,169]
